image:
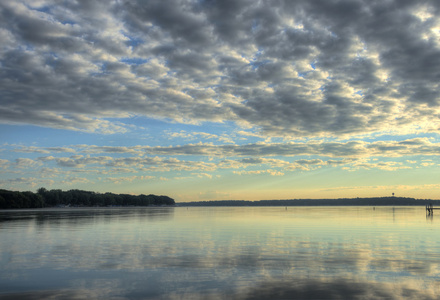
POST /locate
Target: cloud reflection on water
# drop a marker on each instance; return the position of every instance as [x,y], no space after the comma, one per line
[211,254]
[298,289]
[334,289]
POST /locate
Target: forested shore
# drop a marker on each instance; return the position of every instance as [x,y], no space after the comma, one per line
[373,201]
[76,198]
[79,198]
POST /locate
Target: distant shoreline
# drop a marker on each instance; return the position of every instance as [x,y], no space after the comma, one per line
[373,201]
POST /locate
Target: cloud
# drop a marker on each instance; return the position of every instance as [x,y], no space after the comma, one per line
[259,172]
[33,149]
[86,164]
[302,68]
[336,153]
[75,181]
[113,149]
[201,136]
[26,163]
[4,163]
[120,180]
[385,165]
[404,189]
[131,164]
[203,175]
[352,149]
[26,181]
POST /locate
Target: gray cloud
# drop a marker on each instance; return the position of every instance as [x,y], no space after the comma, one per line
[89,163]
[252,153]
[305,68]
[255,152]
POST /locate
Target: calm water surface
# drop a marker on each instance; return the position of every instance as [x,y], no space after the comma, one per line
[220,253]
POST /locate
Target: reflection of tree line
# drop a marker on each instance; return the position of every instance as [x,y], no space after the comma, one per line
[376,201]
[74,217]
[77,198]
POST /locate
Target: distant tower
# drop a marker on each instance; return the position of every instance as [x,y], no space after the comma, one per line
[393,194]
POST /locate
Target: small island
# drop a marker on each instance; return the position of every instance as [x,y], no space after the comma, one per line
[76,198]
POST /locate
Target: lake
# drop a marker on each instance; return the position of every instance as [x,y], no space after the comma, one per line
[220,253]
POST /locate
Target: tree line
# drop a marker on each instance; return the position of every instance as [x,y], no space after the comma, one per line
[76,198]
[373,201]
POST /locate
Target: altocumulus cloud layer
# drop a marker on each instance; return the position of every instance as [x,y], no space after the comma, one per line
[238,88]
[295,68]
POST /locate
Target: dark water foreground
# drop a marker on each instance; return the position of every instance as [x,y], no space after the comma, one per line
[220,253]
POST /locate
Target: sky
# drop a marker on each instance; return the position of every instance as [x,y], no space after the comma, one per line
[215,100]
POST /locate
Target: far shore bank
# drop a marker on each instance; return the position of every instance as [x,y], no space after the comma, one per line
[373,201]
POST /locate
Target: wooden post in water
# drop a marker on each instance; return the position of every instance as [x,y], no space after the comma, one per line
[430,209]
